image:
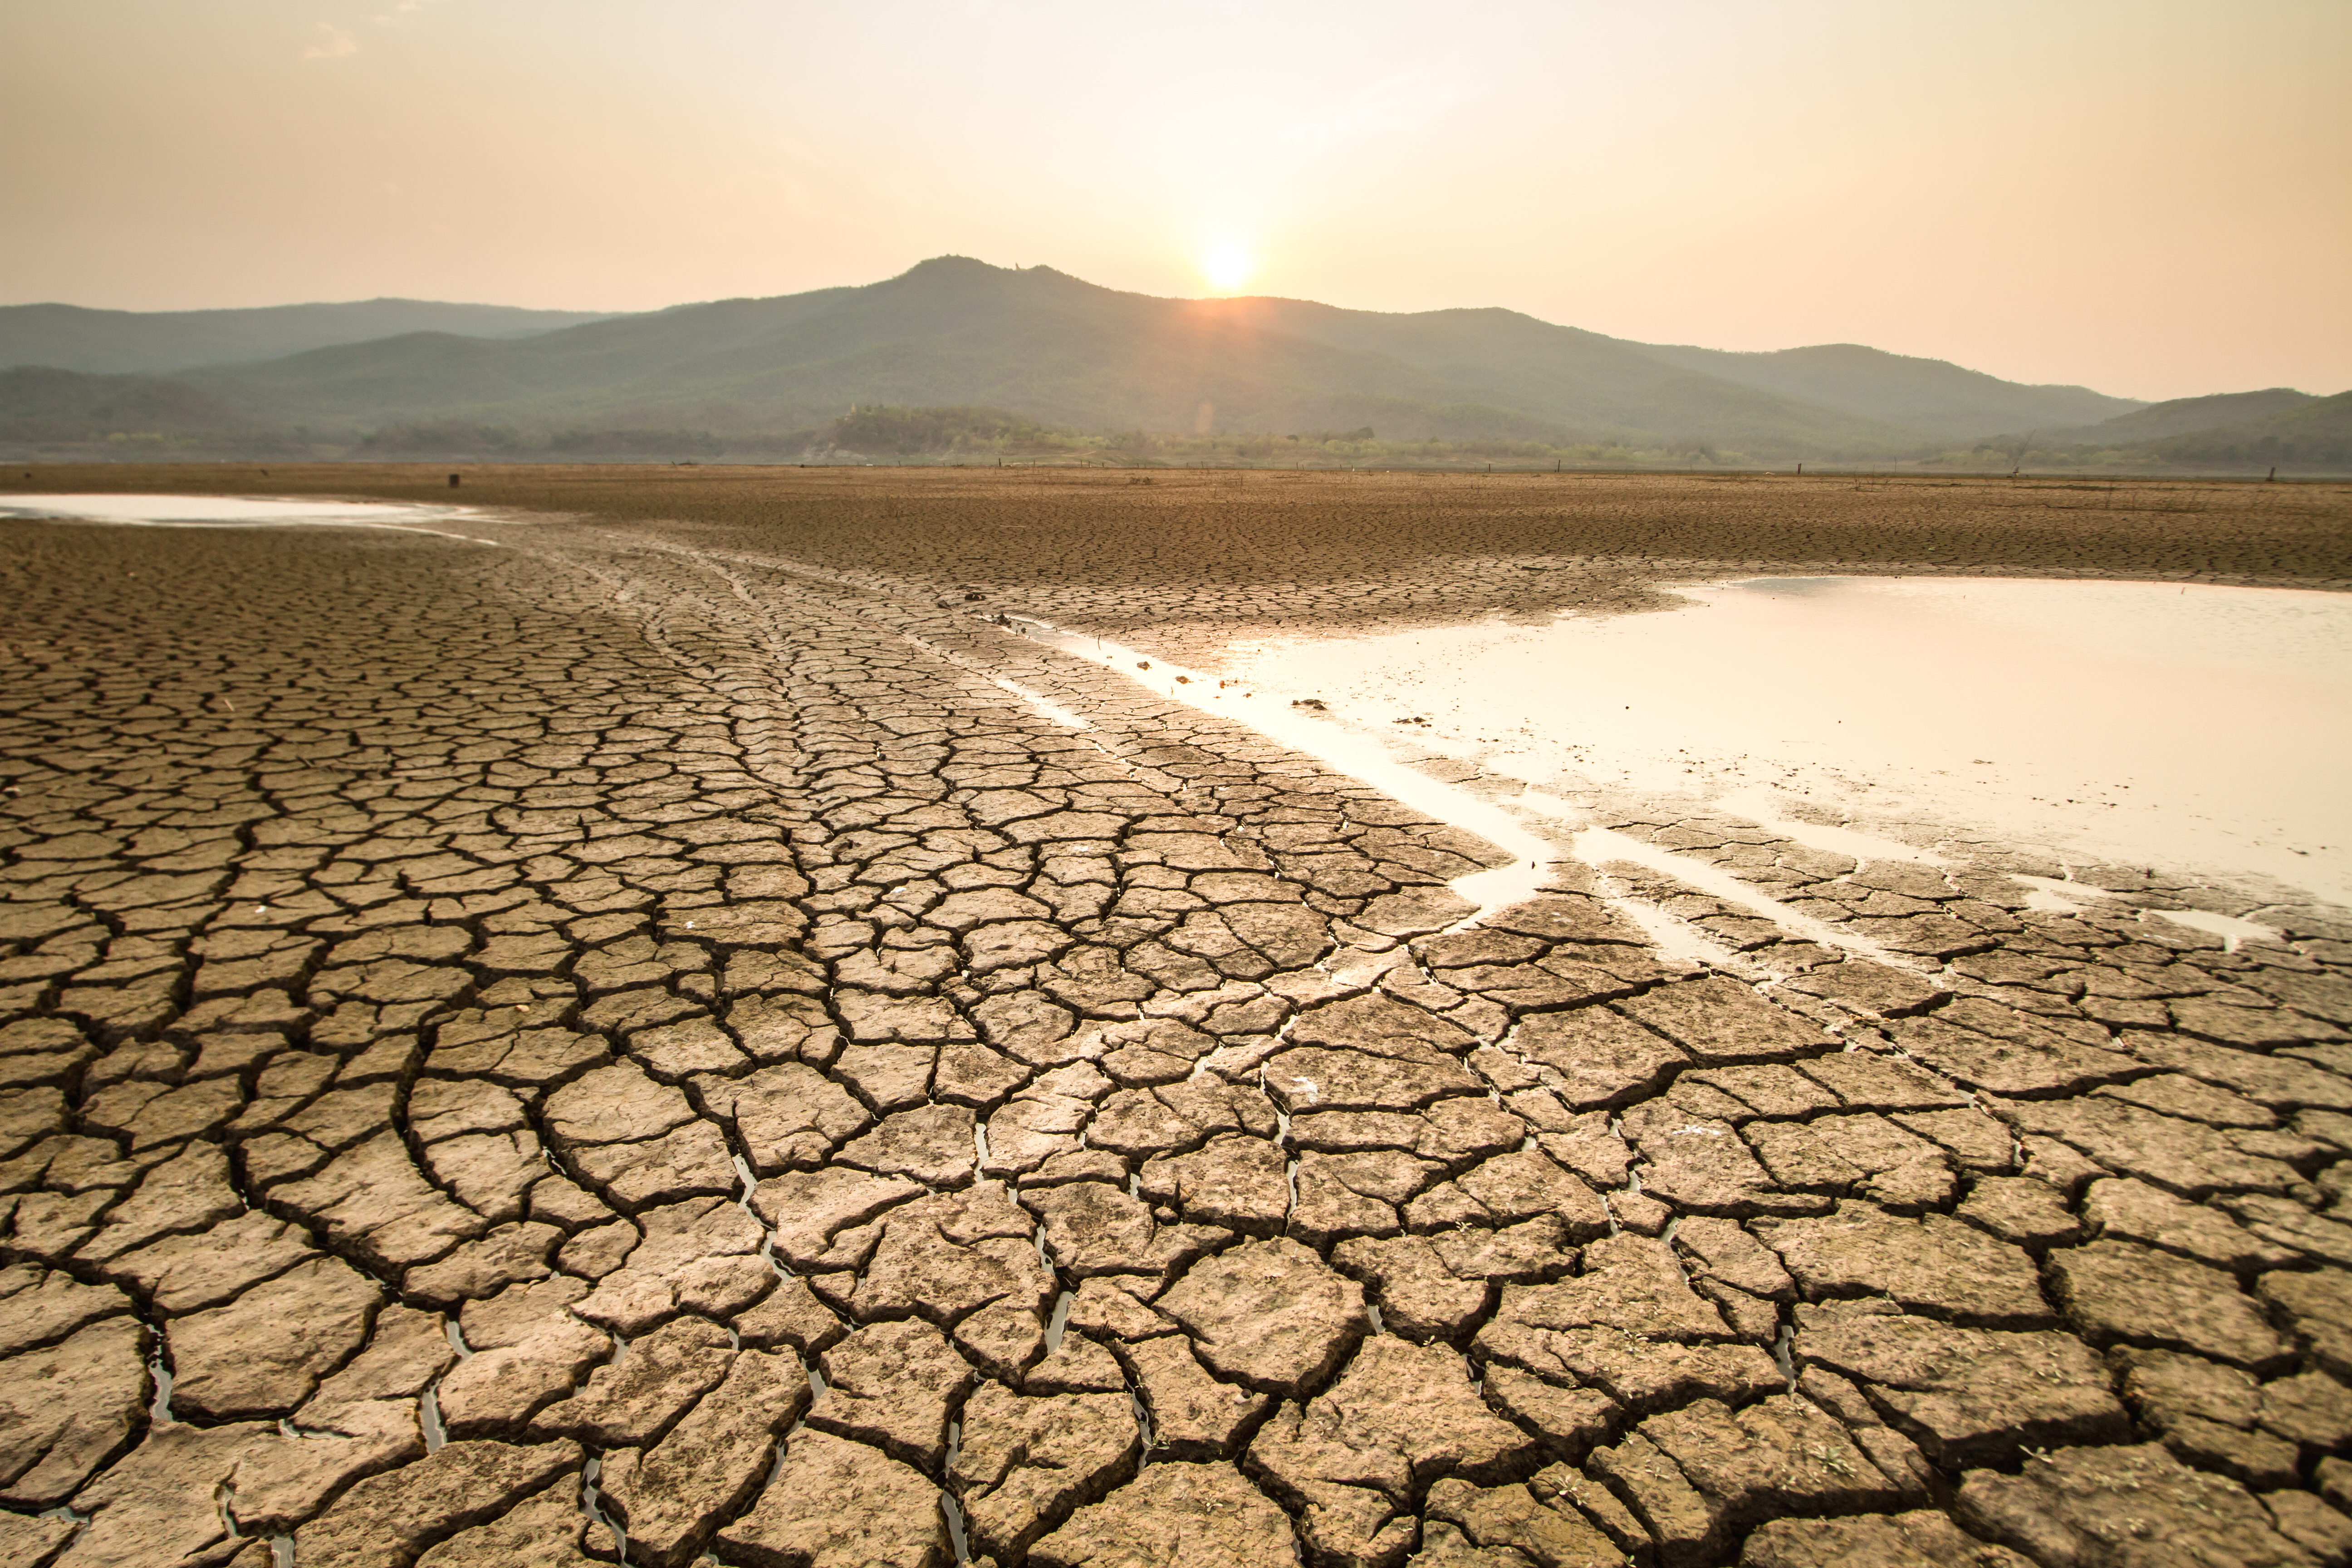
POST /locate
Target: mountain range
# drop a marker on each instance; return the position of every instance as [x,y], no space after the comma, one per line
[1033,342]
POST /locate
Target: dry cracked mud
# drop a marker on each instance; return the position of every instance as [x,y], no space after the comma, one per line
[639,1037]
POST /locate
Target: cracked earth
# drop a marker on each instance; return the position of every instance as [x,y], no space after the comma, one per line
[638,1038]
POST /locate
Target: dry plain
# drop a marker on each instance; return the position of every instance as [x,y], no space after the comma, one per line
[629,1025]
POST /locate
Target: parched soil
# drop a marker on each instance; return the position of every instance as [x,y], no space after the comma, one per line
[641,1027]
[1205,555]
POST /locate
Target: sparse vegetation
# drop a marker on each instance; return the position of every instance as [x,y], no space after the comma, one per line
[938,432]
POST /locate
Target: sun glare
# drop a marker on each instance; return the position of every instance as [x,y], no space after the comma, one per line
[1227,266]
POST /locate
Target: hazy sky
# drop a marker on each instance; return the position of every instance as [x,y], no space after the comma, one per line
[2151,197]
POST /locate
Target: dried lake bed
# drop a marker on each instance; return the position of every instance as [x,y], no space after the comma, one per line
[737,1020]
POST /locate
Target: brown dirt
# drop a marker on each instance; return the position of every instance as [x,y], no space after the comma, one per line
[411,951]
[1120,551]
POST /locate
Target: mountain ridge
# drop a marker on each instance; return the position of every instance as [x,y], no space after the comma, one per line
[1931,393]
[956,331]
[150,342]
[2185,415]
[1045,346]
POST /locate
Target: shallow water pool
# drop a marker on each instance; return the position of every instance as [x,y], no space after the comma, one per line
[2195,729]
[245,512]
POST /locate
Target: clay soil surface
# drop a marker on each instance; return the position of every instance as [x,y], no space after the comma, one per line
[671,1023]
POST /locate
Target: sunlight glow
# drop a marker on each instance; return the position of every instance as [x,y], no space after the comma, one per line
[1227,266]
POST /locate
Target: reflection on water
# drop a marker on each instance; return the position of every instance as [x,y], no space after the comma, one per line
[2186,727]
[246,512]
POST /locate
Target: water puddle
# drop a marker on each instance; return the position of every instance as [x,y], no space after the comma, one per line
[2192,729]
[2053,896]
[158,1371]
[2234,932]
[246,512]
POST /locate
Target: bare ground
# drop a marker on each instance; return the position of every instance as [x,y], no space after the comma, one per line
[483,1024]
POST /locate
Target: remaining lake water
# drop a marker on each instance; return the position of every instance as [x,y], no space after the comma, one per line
[2181,727]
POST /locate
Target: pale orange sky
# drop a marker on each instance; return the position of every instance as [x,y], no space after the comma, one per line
[2148,197]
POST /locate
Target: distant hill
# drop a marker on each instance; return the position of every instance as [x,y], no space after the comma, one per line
[958,336]
[2317,431]
[1932,397]
[2278,425]
[594,370]
[1053,348]
[41,405]
[2187,415]
[68,337]
[1557,379]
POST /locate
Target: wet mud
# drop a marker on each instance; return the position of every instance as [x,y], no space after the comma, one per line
[687,1030]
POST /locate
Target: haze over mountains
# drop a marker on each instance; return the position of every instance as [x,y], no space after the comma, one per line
[70,337]
[1035,342]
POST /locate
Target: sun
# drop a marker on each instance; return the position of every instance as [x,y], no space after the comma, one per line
[1228,265]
